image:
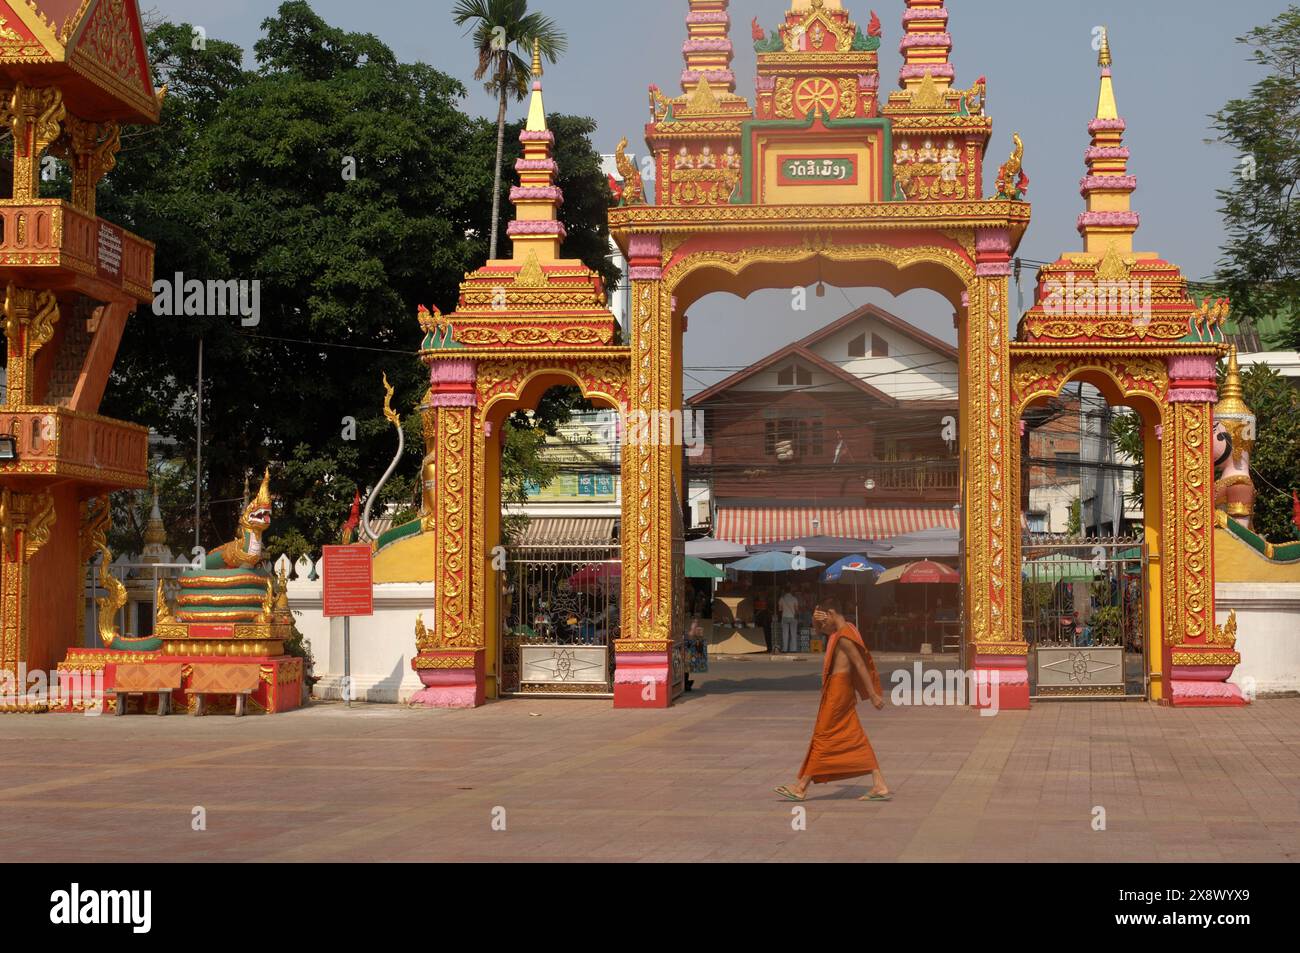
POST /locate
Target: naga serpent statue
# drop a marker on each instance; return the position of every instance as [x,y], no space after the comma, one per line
[246,550]
[367,528]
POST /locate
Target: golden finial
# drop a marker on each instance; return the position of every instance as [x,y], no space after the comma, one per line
[263,498]
[389,413]
[1103,55]
[537,58]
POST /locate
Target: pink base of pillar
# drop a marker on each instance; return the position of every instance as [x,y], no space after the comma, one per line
[1194,693]
[642,680]
[461,686]
[465,696]
[1005,680]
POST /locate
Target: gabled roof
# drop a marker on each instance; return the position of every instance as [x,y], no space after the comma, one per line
[802,350]
[800,353]
[892,321]
[93,48]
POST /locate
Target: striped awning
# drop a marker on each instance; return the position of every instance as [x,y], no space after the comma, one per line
[571,531]
[753,526]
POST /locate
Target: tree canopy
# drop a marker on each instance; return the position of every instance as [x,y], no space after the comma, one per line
[1260,268]
[351,186]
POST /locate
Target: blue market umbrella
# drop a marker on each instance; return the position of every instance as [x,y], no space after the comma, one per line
[856,568]
[775,562]
[851,566]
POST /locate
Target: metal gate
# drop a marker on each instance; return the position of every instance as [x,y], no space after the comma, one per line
[559,612]
[1085,609]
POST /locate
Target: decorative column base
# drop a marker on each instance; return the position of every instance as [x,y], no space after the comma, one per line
[1199,678]
[643,675]
[1002,680]
[453,678]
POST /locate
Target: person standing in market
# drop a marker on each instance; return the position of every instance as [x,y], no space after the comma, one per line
[839,749]
[788,606]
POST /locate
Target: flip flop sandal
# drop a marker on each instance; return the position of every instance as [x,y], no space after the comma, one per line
[786,793]
[876,797]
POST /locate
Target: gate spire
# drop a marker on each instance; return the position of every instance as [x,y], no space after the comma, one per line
[1109,222]
[708,51]
[926,45]
[536,230]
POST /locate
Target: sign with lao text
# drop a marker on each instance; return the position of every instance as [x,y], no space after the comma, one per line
[819,170]
[349,587]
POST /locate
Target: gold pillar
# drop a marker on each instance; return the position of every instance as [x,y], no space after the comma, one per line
[29,321]
[649,472]
[35,116]
[1188,513]
[992,513]
[1153,496]
[26,521]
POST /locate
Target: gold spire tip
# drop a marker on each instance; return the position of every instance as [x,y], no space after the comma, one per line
[537,59]
[1103,55]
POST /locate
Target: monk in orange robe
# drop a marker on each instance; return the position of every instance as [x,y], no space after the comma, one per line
[840,749]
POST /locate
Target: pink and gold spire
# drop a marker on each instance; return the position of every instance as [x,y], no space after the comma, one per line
[1109,223]
[925,45]
[536,229]
[708,51]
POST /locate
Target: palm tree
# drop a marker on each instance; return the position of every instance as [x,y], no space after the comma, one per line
[502,30]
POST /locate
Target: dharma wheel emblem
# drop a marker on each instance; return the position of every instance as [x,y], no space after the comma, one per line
[818,93]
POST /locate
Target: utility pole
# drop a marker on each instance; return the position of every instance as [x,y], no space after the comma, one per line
[198,457]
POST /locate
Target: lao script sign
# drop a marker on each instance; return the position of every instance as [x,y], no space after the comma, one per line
[348,581]
[819,170]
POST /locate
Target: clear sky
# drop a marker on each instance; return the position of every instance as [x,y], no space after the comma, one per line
[1176,61]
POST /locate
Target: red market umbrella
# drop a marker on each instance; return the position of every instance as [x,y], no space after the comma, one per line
[923,573]
[595,574]
[920,574]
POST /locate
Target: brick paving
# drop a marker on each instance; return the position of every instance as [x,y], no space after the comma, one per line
[580,781]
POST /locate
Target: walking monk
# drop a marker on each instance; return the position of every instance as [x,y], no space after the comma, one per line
[840,748]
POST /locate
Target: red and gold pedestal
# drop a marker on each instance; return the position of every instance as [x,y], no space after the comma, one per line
[88,677]
[453,678]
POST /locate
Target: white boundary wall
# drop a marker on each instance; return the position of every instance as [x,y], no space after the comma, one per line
[1268,633]
[382,645]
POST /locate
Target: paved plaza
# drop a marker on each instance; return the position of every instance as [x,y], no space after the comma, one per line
[577,780]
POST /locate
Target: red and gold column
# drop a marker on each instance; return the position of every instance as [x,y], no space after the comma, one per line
[451,655]
[644,671]
[1197,657]
[992,515]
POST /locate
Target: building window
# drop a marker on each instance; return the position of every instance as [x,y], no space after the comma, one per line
[879,346]
[794,438]
[858,346]
[794,375]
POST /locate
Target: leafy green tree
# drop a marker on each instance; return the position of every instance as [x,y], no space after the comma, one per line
[1275,462]
[353,188]
[1260,268]
[502,31]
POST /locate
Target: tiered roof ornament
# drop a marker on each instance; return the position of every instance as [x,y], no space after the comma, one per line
[1109,222]
[1108,293]
[535,298]
[818,77]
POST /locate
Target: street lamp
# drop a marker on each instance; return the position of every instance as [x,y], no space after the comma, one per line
[8,449]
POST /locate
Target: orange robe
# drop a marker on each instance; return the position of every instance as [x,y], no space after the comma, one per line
[839,747]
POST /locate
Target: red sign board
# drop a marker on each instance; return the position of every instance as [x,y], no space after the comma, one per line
[348,581]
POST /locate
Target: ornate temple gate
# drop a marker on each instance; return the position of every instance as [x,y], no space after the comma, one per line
[820,180]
